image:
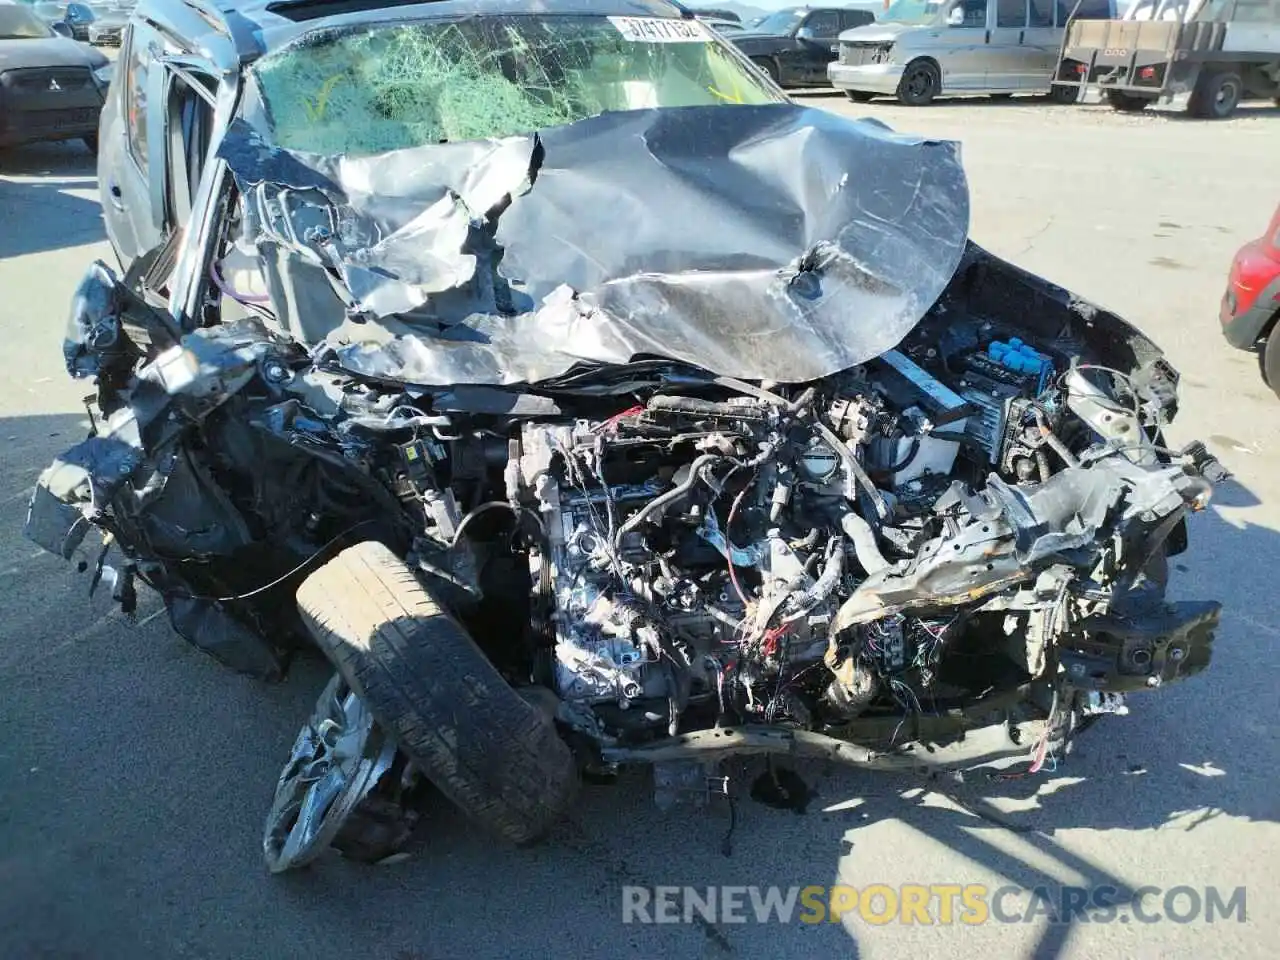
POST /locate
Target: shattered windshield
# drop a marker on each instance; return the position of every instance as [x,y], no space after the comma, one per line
[412,84]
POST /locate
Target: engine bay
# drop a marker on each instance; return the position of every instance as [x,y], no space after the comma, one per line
[901,539]
[981,512]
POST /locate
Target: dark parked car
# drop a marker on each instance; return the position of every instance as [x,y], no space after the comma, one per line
[652,418]
[76,16]
[715,13]
[1250,311]
[51,87]
[795,45]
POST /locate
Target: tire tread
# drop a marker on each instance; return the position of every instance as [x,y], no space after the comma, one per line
[482,745]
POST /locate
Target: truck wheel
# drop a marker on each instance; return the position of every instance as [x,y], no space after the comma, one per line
[769,67]
[920,83]
[859,96]
[1216,95]
[1127,102]
[428,684]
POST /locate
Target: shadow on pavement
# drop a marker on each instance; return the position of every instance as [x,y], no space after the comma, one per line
[39,215]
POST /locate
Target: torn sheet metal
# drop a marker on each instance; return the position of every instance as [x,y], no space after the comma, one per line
[765,242]
[1012,533]
[93,329]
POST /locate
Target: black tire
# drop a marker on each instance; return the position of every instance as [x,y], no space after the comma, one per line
[1127,102]
[999,96]
[91,141]
[769,67]
[920,83]
[425,680]
[1216,95]
[859,96]
[1063,94]
[1271,359]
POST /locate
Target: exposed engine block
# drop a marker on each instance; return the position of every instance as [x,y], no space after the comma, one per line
[742,552]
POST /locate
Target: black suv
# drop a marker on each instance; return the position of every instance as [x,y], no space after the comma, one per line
[795,45]
[51,88]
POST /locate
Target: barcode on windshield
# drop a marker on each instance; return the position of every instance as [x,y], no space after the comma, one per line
[655,30]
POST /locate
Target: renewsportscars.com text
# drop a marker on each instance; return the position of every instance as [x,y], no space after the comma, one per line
[930,904]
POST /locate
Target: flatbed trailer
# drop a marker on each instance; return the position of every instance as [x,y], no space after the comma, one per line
[1216,52]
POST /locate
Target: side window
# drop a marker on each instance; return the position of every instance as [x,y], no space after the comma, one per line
[1041,14]
[824,23]
[968,13]
[1217,11]
[188,127]
[1254,11]
[137,67]
[856,18]
[1011,13]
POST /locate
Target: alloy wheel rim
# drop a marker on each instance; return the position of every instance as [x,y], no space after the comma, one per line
[340,754]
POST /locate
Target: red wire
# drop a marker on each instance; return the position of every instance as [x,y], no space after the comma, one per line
[613,421]
[770,641]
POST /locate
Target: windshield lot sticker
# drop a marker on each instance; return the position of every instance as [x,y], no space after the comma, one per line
[654,30]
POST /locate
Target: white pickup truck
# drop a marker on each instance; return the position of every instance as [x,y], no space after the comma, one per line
[1217,51]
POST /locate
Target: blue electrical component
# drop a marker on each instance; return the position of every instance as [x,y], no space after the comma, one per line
[1019,357]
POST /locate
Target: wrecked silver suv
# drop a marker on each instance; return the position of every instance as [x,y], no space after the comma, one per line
[588,403]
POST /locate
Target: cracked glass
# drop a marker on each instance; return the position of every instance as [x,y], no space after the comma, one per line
[384,88]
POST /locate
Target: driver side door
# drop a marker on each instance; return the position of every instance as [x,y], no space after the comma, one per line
[127,145]
[155,144]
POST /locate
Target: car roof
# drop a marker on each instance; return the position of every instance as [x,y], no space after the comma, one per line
[264,11]
[243,30]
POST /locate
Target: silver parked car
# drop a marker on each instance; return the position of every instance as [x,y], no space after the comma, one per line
[107,30]
[923,49]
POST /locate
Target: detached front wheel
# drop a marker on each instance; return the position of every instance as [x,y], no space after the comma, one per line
[425,680]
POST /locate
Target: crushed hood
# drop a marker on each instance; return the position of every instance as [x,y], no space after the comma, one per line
[770,243]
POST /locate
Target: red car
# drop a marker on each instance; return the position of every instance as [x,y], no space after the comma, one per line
[1251,305]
